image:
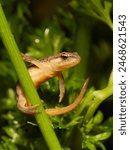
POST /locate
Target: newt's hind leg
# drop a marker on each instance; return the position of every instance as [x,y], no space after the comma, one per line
[30,110]
[23,104]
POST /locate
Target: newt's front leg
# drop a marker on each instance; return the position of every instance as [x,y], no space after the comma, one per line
[31,60]
[61,87]
[66,109]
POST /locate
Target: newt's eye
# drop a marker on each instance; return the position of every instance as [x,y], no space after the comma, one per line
[64,57]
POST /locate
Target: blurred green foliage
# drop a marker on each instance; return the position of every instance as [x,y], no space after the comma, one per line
[84,26]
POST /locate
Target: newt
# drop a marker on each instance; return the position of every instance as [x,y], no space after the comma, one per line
[42,70]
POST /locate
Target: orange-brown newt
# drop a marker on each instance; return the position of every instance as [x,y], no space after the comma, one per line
[43,69]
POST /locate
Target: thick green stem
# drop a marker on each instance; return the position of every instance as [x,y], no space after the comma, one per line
[27,84]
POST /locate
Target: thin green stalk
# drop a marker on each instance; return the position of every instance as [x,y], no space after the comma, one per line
[99,96]
[26,82]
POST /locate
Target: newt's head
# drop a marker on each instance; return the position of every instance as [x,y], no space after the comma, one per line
[64,60]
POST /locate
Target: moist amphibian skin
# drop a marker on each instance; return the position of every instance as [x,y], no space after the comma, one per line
[44,69]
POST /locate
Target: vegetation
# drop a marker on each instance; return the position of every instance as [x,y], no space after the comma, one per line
[84,26]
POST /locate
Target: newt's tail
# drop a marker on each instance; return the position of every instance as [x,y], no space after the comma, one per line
[59,111]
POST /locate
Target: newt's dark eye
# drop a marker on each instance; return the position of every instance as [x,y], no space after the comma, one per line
[64,57]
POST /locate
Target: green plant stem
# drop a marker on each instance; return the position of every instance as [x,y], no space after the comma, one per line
[99,96]
[27,84]
[94,98]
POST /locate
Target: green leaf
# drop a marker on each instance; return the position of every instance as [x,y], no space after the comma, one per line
[100,145]
[102,136]
[95,8]
[11,133]
[98,118]
[89,145]
[6,144]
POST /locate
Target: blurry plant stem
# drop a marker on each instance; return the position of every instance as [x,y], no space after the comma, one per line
[82,45]
[27,84]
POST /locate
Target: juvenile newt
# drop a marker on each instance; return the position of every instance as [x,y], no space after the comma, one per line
[43,69]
